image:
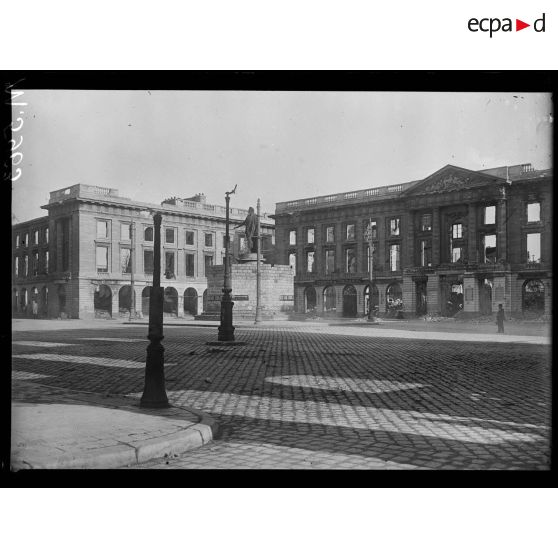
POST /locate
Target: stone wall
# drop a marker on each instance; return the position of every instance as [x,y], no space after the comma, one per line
[277,300]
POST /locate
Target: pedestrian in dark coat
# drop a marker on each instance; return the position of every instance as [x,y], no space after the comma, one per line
[500,318]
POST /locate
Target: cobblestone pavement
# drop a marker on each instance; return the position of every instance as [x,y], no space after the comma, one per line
[295,397]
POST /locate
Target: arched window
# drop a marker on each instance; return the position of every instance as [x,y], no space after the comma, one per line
[330,304]
[310,298]
[394,299]
[533,297]
[148,234]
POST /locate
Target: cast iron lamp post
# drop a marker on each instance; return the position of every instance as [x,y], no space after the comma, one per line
[154,394]
[226,329]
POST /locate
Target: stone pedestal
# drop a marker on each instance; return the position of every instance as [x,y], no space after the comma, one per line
[277,300]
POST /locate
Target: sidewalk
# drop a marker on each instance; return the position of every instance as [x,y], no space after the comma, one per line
[83,430]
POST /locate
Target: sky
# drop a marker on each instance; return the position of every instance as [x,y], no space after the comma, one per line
[277,146]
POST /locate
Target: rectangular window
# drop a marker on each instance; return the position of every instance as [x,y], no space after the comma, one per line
[330,234]
[533,212]
[425,253]
[24,239]
[394,226]
[102,259]
[329,261]
[394,257]
[102,229]
[46,235]
[36,237]
[25,265]
[190,238]
[225,241]
[534,247]
[310,236]
[148,261]
[350,260]
[208,262]
[456,254]
[17,240]
[35,263]
[292,261]
[169,265]
[457,230]
[490,215]
[292,238]
[169,236]
[350,232]
[372,226]
[190,265]
[16,266]
[208,239]
[124,231]
[426,222]
[489,247]
[125,260]
[310,262]
[46,261]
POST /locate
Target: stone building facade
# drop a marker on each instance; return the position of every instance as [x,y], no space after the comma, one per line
[77,262]
[458,242]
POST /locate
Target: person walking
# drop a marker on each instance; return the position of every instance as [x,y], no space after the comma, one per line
[35,308]
[500,318]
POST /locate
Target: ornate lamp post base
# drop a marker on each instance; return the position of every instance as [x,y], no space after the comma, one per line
[226,329]
[154,394]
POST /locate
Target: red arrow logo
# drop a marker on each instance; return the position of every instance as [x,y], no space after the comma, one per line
[519,25]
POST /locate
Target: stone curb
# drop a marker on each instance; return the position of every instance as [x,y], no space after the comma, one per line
[126,454]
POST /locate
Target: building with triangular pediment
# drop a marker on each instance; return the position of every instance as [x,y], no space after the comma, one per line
[456,243]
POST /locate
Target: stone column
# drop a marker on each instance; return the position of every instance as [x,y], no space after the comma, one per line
[409,296]
[180,305]
[548,297]
[115,305]
[361,306]
[433,294]
[472,235]
[299,299]
[502,231]
[319,299]
[339,300]
[436,235]
[408,242]
[58,254]
[470,293]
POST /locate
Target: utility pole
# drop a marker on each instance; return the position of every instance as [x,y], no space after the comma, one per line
[132,265]
[369,236]
[258,272]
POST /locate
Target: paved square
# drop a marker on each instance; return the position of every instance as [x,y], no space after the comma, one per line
[336,397]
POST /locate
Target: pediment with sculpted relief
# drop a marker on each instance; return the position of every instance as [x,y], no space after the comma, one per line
[451,179]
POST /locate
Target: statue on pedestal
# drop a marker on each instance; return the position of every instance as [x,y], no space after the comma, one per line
[250,230]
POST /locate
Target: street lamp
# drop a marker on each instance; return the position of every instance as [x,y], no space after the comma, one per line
[154,394]
[258,272]
[369,236]
[226,329]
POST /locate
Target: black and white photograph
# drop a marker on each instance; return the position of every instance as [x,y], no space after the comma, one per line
[260,279]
